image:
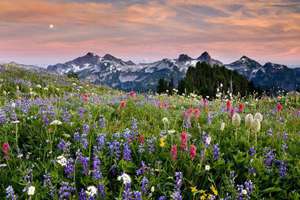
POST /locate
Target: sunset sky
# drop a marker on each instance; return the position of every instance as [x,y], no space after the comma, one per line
[46,32]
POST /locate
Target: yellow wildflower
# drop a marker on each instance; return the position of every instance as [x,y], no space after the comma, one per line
[162,142]
[214,190]
[203,195]
[194,189]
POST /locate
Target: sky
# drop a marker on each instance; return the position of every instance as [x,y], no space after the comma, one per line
[43,32]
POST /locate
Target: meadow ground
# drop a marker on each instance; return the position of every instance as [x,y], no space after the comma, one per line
[65,139]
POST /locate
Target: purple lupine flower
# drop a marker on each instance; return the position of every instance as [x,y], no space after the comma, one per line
[176,195]
[61,145]
[46,180]
[10,193]
[82,195]
[113,170]
[151,144]
[96,168]
[13,116]
[81,112]
[128,135]
[212,197]
[66,116]
[102,122]
[114,148]
[282,167]
[252,151]
[126,152]
[47,183]
[270,132]
[69,168]
[144,184]
[209,118]
[187,123]
[216,152]
[45,119]
[245,190]
[28,176]
[269,158]
[85,163]
[206,139]
[100,142]
[134,124]
[249,186]
[252,170]
[142,169]
[162,198]
[84,141]
[141,148]
[137,195]
[77,136]
[101,190]
[127,194]
[85,129]
[179,178]
[241,192]
[65,191]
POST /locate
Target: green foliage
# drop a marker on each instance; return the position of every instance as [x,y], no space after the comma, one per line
[165,86]
[205,80]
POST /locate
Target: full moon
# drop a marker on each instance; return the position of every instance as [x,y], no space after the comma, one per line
[51,26]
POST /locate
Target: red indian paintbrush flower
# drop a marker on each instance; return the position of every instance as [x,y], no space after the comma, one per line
[183,144]
[5,148]
[196,113]
[141,139]
[228,105]
[193,151]
[279,107]
[241,107]
[174,152]
[85,97]
[123,104]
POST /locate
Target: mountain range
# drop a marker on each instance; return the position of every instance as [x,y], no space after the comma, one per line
[127,75]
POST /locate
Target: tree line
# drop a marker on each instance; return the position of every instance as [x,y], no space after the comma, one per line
[206,80]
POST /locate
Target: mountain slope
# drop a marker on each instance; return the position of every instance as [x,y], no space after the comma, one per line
[126,75]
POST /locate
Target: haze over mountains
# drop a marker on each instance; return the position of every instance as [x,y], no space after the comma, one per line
[127,75]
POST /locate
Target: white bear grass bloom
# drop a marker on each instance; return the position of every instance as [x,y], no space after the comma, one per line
[258,116]
[236,119]
[255,125]
[248,120]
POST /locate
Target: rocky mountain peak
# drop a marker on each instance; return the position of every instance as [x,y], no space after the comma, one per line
[184,58]
[204,56]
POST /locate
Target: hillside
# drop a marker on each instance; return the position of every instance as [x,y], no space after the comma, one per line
[66,139]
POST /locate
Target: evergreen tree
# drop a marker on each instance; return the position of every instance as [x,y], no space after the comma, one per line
[162,86]
[205,79]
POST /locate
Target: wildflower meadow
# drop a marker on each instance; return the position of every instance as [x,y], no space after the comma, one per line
[65,139]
